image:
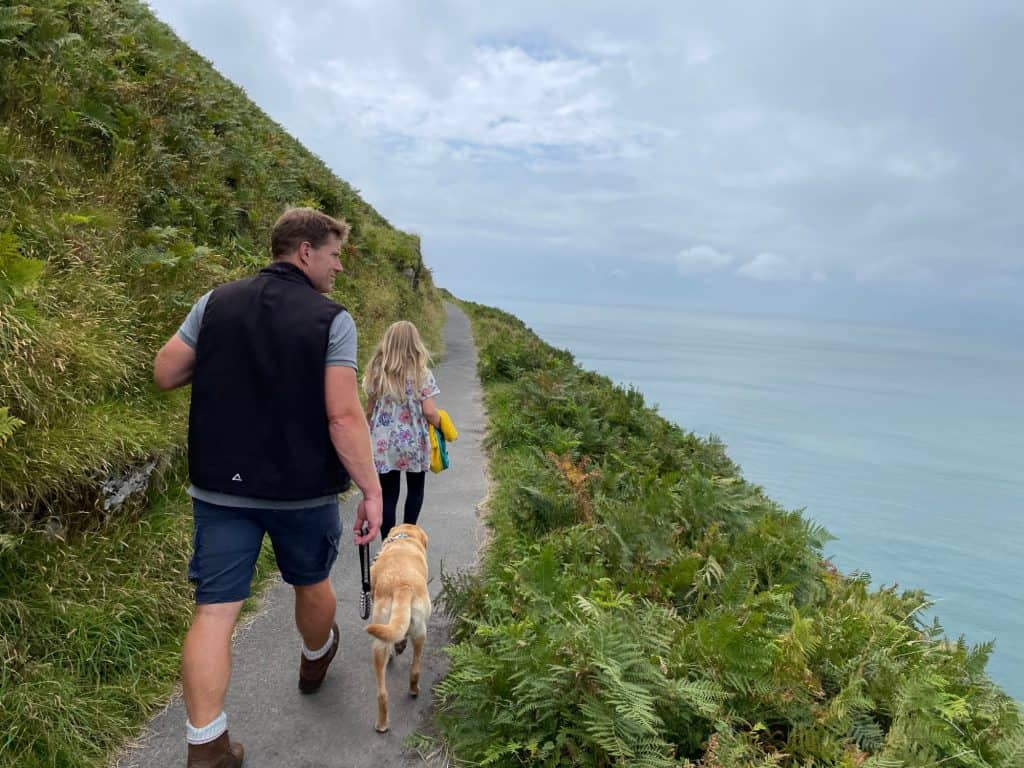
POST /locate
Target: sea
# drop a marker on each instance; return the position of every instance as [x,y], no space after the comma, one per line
[908,446]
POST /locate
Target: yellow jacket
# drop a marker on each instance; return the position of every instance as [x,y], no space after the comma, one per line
[447,427]
[438,448]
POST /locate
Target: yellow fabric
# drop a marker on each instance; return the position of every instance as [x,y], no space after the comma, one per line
[447,427]
[450,434]
[435,450]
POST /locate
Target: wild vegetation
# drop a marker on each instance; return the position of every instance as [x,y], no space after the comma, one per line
[641,604]
[133,178]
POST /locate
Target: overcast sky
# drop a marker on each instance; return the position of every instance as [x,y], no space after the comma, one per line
[853,159]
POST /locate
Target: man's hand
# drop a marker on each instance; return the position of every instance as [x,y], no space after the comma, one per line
[370,512]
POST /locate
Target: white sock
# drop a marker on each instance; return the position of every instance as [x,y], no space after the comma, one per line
[207,733]
[319,654]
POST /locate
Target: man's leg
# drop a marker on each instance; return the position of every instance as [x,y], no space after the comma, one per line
[206,661]
[226,545]
[314,613]
[306,545]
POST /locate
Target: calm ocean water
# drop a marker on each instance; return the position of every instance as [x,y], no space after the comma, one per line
[908,447]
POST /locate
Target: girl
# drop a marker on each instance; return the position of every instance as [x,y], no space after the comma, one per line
[400,391]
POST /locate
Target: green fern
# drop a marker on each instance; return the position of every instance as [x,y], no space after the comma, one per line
[17,273]
[8,425]
[13,23]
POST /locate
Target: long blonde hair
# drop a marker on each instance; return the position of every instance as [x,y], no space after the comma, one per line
[399,357]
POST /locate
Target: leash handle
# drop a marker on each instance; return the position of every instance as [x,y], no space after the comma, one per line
[365,600]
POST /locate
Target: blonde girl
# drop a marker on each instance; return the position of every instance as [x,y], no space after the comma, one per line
[400,391]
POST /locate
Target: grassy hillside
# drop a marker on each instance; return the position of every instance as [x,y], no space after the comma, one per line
[133,178]
[643,605]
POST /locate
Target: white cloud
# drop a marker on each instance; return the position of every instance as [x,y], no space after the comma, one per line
[924,165]
[581,132]
[770,267]
[699,52]
[701,259]
[506,99]
[893,269]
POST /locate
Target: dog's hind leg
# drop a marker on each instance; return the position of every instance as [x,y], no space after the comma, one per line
[380,667]
[414,674]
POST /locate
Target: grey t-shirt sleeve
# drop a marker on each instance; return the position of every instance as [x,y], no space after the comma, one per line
[189,330]
[342,341]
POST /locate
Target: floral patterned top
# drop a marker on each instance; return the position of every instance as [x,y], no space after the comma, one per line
[398,430]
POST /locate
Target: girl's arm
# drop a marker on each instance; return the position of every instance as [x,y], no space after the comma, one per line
[430,411]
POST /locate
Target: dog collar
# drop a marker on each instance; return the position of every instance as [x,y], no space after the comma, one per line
[396,537]
[387,541]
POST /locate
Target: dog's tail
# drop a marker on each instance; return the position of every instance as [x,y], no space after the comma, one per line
[401,610]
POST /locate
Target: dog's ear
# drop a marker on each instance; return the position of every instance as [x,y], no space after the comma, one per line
[423,536]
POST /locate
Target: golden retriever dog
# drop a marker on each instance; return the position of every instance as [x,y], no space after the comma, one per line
[401,607]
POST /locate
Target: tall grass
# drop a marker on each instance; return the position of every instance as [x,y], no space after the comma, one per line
[90,630]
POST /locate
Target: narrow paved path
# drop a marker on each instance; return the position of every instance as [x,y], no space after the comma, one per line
[334,727]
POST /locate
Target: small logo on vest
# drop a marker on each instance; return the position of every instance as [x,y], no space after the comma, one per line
[237,478]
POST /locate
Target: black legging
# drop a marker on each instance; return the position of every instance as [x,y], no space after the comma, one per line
[390,484]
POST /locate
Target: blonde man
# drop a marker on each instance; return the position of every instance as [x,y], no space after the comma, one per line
[276,431]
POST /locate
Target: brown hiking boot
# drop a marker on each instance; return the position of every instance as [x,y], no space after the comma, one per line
[219,753]
[311,673]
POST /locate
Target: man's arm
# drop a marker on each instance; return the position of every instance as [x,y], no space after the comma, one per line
[350,436]
[174,364]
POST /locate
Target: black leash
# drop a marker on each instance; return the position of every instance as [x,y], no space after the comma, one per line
[365,600]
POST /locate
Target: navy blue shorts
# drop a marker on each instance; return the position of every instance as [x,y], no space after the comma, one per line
[226,542]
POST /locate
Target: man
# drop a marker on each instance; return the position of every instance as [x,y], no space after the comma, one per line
[276,430]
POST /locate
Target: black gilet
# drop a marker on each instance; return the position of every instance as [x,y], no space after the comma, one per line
[258,421]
